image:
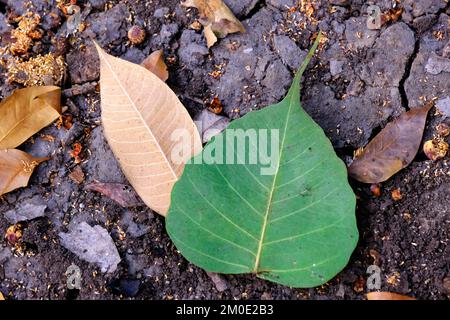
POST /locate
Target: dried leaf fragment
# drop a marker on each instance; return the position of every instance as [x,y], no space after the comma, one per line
[387,296]
[435,149]
[217,18]
[16,168]
[392,149]
[120,193]
[155,64]
[26,112]
[396,194]
[77,175]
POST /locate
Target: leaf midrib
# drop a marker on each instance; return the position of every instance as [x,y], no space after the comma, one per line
[272,190]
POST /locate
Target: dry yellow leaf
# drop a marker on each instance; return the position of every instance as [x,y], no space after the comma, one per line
[26,112]
[1,296]
[217,18]
[16,168]
[141,117]
[155,64]
[387,296]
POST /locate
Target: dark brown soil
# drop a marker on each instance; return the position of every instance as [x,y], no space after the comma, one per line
[376,81]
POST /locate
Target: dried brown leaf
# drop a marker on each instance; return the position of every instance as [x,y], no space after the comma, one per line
[392,149]
[16,168]
[155,64]
[217,18]
[26,112]
[387,296]
[120,193]
[141,116]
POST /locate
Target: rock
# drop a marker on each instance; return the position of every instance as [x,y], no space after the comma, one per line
[436,64]
[153,271]
[288,51]
[92,244]
[446,286]
[210,124]
[102,164]
[72,134]
[161,12]
[446,50]
[134,55]
[336,67]
[168,32]
[277,80]
[27,210]
[266,296]
[423,23]
[109,27]
[98,4]
[282,4]
[79,70]
[218,280]
[443,106]
[136,263]
[388,57]
[132,228]
[357,34]
[4,26]
[343,3]
[428,75]
[5,254]
[193,49]
[129,288]
[241,8]
[341,291]
[421,7]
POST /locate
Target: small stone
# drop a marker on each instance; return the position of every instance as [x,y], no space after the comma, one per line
[161,12]
[436,64]
[288,51]
[129,288]
[336,67]
[446,51]
[92,244]
[79,70]
[266,296]
[218,280]
[282,4]
[341,291]
[241,8]
[29,210]
[443,105]
[446,286]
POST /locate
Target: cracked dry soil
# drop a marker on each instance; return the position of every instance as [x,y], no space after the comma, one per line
[360,80]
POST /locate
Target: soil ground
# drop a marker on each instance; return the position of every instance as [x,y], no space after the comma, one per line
[361,80]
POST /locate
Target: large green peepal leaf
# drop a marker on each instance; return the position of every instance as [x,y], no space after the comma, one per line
[295,227]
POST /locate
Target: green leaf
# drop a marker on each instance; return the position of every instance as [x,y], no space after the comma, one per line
[296,227]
